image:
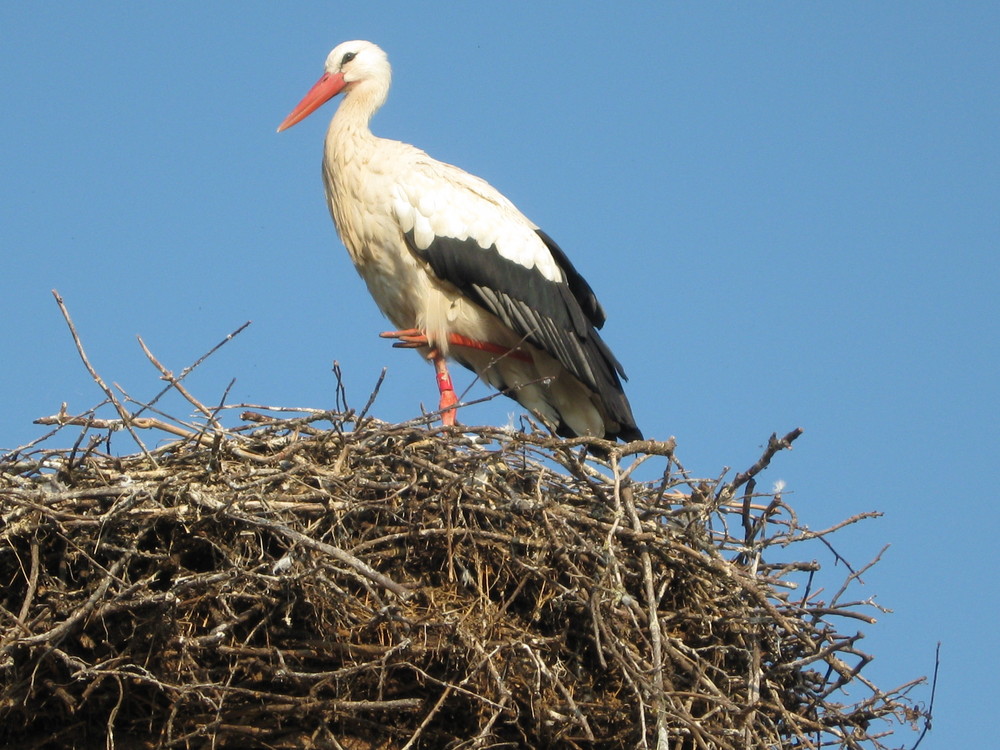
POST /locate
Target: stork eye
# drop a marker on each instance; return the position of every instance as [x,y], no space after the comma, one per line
[348,56]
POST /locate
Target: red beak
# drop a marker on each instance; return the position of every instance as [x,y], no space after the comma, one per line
[325,89]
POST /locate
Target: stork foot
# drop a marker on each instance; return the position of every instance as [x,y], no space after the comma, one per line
[408,338]
[414,338]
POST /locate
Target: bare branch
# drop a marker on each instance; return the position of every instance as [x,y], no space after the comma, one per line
[122,412]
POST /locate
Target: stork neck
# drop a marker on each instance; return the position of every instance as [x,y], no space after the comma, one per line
[356,109]
[349,148]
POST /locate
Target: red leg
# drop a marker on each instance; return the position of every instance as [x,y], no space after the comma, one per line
[414,338]
[447,404]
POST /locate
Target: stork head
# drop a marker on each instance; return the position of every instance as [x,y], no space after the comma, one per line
[352,65]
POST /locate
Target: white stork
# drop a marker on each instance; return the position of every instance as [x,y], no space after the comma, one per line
[458,269]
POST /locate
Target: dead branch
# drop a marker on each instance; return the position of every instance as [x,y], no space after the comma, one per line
[122,412]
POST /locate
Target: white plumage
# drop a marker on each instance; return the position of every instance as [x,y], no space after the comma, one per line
[458,269]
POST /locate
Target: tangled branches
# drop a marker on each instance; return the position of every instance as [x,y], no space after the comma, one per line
[280,585]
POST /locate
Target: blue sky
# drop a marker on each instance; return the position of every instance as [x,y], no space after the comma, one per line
[789,210]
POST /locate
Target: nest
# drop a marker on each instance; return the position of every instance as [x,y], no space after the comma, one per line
[331,581]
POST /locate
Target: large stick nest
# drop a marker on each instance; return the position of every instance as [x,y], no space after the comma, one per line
[280,585]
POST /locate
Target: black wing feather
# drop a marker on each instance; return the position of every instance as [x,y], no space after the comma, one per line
[577,284]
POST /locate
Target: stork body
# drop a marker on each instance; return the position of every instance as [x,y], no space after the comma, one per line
[458,269]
